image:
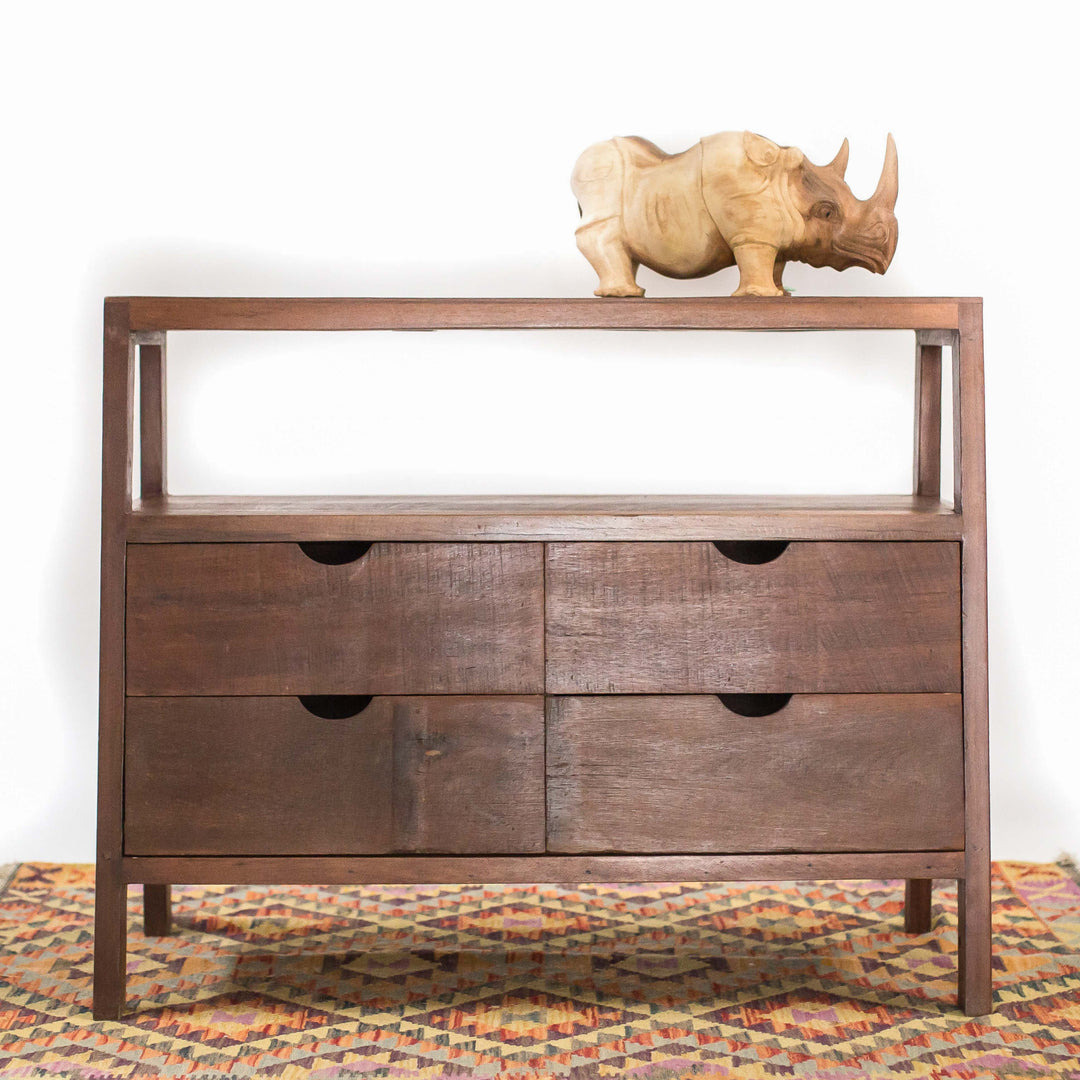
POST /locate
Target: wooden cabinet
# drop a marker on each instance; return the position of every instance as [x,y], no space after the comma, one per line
[542,688]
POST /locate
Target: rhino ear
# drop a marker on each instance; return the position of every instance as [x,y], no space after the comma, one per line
[793,157]
[761,151]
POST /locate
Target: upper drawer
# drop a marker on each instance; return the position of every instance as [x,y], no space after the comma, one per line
[400,619]
[819,618]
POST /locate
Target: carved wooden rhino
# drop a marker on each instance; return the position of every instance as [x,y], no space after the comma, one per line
[734,198]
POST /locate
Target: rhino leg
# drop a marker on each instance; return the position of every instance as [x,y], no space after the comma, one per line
[757,263]
[778,276]
[603,244]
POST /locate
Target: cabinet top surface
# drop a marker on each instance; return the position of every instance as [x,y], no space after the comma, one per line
[193,518]
[161,313]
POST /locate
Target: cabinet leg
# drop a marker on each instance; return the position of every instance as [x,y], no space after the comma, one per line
[157,910]
[917,905]
[975,979]
[110,945]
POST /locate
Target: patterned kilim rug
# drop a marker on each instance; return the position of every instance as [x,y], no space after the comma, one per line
[528,982]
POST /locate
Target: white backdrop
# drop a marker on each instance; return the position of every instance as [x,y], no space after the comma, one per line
[425,149]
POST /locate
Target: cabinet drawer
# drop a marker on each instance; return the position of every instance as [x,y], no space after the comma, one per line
[819,618]
[400,619]
[641,774]
[263,776]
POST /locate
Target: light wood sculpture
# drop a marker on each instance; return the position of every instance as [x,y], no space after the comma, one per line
[733,199]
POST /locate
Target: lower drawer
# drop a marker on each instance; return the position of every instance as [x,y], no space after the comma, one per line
[824,773]
[264,776]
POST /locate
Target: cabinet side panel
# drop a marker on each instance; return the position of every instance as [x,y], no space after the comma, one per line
[976,973]
[110,909]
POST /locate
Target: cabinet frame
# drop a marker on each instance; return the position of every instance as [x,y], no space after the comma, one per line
[135,339]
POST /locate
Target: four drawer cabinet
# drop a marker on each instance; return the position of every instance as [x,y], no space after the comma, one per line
[499,689]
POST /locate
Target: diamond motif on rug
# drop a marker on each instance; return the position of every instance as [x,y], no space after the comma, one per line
[674,981]
[523,1018]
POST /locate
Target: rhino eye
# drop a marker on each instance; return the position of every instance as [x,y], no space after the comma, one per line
[827,211]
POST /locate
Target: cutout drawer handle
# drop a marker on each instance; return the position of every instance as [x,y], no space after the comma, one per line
[754,704]
[334,552]
[335,706]
[751,552]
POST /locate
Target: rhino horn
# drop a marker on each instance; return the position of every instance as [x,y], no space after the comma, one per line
[838,164]
[888,185]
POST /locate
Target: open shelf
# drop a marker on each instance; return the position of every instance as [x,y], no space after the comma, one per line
[209,518]
[157,518]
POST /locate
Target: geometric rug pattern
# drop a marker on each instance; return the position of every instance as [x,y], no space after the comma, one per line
[530,982]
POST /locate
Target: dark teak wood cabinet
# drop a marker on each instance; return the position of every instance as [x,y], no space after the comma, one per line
[545,688]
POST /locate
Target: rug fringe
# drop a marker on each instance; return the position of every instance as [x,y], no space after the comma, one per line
[1069,864]
[7,872]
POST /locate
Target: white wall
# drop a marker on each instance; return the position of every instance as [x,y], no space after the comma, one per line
[425,149]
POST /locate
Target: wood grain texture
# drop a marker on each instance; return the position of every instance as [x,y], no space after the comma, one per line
[263,776]
[958,433]
[568,869]
[976,973]
[822,618]
[918,896]
[266,619]
[850,772]
[942,338]
[926,478]
[444,313]
[193,519]
[157,910]
[153,442]
[110,903]
[153,473]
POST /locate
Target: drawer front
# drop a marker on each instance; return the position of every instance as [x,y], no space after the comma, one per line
[263,776]
[819,618]
[400,619]
[826,773]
